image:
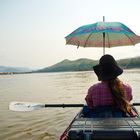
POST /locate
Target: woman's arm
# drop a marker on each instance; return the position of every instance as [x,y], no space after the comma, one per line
[88,99]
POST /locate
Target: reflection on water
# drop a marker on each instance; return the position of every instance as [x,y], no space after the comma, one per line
[46,124]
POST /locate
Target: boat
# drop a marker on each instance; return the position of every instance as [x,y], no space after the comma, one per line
[110,123]
[102,128]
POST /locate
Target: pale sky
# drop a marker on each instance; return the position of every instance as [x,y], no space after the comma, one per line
[32,31]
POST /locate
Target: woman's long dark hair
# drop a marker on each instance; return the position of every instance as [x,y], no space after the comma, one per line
[119,95]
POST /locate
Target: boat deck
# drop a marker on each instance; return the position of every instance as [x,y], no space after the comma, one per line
[105,129]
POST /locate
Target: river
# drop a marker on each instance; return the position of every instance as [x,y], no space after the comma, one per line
[48,123]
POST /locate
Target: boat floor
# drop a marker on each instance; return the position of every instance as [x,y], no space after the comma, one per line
[105,129]
[121,128]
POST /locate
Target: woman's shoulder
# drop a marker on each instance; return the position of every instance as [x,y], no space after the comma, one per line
[97,85]
[126,85]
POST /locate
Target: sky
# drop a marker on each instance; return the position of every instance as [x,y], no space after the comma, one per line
[32,32]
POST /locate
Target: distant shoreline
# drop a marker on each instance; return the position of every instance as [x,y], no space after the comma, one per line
[82,64]
[13,73]
[6,73]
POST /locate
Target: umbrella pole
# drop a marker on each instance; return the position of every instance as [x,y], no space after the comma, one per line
[103,18]
[103,43]
[103,38]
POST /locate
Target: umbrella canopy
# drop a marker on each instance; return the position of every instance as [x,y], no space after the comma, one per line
[103,34]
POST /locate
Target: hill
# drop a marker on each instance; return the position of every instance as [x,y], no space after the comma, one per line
[13,69]
[76,65]
[67,65]
[87,65]
[130,63]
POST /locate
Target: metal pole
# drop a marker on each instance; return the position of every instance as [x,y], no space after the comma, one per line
[103,43]
[103,18]
[103,38]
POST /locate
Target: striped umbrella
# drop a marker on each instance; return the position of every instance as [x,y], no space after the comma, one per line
[103,34]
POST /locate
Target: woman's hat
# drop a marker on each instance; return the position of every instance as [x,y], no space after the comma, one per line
[107,68]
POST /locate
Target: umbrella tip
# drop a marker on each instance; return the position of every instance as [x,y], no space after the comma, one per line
[103,18]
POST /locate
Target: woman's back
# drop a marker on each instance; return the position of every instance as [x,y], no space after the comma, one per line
[100,94]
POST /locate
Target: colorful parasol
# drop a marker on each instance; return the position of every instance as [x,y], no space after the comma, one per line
[103,34]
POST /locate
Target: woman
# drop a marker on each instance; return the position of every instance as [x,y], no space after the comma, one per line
[110,97]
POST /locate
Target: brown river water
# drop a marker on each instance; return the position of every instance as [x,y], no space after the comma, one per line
[48,123]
